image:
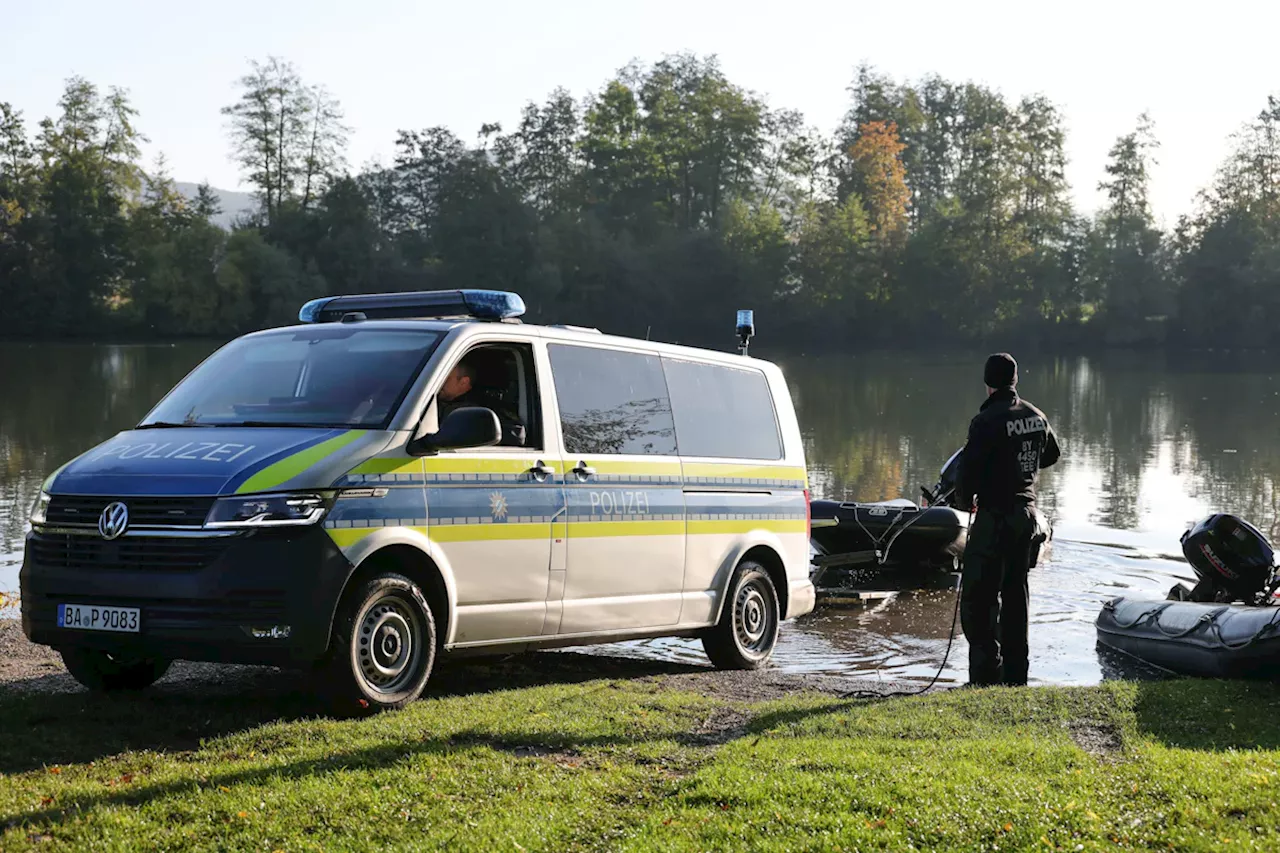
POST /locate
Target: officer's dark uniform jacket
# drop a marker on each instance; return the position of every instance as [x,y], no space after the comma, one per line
[1010,440]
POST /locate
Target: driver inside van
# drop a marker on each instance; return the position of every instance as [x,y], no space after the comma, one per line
[463,387]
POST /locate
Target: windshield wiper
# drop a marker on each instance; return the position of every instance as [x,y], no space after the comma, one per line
[289,424]
[167,425]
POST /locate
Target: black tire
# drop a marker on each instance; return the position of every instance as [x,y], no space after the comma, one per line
[748,628]
[383,646]
[102,673]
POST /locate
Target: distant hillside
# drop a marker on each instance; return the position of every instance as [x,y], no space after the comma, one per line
[233,203]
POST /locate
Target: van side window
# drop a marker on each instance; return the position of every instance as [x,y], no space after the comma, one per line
[722,411]
[612,402]
[500,377]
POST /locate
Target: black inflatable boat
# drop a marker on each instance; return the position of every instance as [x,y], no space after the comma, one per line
[892,533]
[1228,625]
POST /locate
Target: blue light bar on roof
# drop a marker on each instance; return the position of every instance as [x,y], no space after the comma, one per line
[480,304]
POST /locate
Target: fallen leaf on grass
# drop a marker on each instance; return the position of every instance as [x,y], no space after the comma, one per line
[46,801]
[1008,827]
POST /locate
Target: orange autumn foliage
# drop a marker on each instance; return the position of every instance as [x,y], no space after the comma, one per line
[880,178]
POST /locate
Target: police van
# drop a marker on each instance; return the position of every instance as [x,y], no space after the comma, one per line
[407,474]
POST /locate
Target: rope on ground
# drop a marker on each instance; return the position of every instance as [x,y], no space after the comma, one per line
[951,638]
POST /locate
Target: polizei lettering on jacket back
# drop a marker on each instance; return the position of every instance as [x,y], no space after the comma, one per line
[1023,426]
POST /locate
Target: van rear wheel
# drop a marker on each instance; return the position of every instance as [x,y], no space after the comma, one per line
[103,673]
[748,628]
[384,646]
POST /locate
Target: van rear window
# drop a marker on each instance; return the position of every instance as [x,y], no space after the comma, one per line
[326,376]
[722,412]
[612,402]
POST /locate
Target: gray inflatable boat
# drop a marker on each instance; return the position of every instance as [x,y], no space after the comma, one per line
[1192,638]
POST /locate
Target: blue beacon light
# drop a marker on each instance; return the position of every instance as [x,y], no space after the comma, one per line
[746,329]
[478,304]
[311,310]
[493,304]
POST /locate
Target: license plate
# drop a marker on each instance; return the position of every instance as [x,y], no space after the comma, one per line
[87,617]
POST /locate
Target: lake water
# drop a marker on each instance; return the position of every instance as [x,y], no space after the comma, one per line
[1150,444]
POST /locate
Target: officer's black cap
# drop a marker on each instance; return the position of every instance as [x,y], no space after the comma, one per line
[1001,371]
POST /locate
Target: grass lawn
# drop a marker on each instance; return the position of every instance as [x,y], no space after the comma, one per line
[629,764]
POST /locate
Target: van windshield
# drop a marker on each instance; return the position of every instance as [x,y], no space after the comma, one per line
[327,376]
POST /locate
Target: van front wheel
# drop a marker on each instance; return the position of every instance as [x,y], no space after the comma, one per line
[748,627]
[384,646]
[103,673]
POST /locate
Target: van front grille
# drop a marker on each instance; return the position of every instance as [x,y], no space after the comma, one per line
[143,512]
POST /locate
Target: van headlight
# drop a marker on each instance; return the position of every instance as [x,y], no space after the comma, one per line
[40,509]
[287,510]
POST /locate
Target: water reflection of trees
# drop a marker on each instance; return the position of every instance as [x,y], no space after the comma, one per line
[1226,411]
[879,426]
[60,400]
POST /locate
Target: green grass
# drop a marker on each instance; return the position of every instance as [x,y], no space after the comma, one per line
[624,764]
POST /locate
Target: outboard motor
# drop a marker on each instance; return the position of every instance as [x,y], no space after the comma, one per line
[943,493]
[1232,560]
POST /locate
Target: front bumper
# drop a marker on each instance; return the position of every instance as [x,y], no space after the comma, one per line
[200,597]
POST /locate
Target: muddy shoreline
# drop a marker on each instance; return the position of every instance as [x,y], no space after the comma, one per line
[29,668]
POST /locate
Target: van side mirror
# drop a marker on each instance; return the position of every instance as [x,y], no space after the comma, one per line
[470,426]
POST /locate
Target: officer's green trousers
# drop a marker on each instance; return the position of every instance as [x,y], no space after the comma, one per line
[994,597]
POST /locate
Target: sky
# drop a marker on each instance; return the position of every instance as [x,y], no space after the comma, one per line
[1201,71]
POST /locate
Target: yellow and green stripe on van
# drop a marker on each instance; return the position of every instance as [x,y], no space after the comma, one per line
[710,474]
[295,464]
[345,537]
[723,514]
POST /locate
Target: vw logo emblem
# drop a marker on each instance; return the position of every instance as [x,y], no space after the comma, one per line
[114,520]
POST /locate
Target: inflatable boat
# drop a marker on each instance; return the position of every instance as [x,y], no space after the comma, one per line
[1191,638]
[1226,626]
[892,533]
[899,533]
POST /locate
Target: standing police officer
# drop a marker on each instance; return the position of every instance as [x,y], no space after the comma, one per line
[1010,440]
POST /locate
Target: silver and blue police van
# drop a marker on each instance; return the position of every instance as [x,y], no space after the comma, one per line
[409,474]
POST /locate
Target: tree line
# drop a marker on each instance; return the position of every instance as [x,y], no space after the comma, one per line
[937,212]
